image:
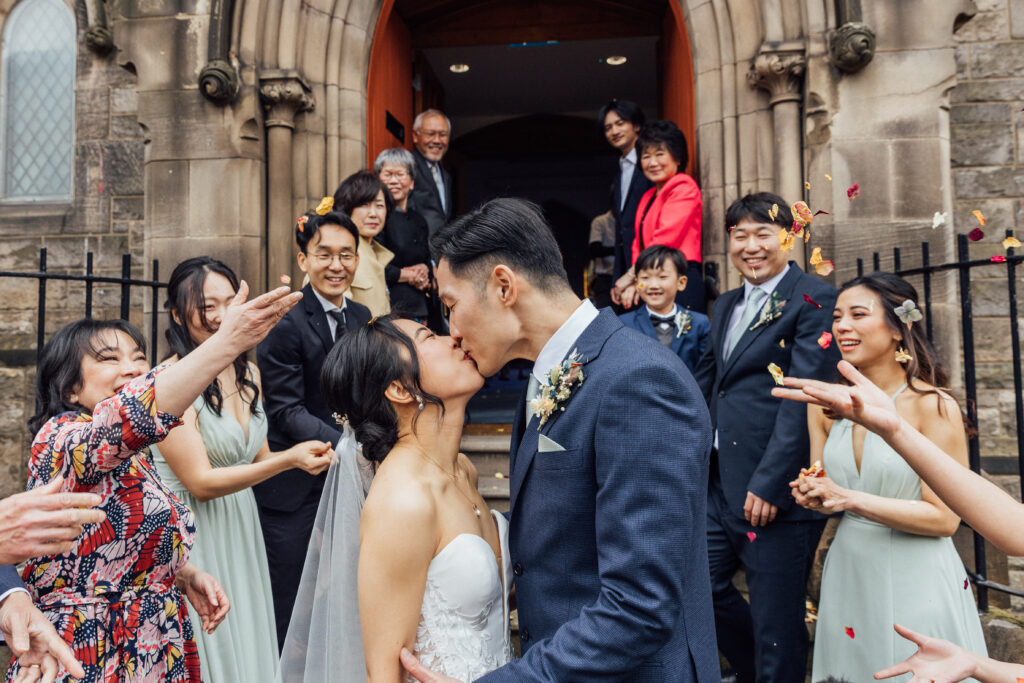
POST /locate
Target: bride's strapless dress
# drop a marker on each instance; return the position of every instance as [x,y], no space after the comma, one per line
[464,630]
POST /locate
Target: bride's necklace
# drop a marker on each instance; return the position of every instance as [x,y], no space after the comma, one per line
[450,475]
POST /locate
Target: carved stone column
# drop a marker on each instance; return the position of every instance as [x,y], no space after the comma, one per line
[284,94]
[779,69]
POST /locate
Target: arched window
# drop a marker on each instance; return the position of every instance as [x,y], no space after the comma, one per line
[37,102]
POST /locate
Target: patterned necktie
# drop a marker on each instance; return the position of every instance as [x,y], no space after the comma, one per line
[435,170]
[751,309]
[339,317]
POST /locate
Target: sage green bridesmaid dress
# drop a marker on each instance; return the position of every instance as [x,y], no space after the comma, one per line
[229,545]
[875,576]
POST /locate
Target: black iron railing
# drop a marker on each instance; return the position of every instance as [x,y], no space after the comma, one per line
[126,281]
[963,266]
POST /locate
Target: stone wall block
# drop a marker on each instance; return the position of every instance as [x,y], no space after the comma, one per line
[127,208]
[910,24]
[354,56]
[125,127]
[351,110]
[124,100]
[865,162]
[992,339]
[1018,213]
[984,26]
[962,55]
[982,144]
[353,156]
[1017,19]
[998,216]
[997,112]
[208,134]
[92,112]
[995,90]
[20,254]
[221,201]
[13,466]
[317,27]
[997,60]
[166,184]
[167,52]
[122,166]
[989,181]
[918,176]
[994,375]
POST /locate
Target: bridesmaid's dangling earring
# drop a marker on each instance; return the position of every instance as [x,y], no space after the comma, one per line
[902,356]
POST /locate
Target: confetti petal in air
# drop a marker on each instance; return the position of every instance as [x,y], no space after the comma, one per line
[825,268]
[811,301]
[301,223]
[822,211]
[786,239]
[1011,242]
[815,256]
[751,536]
[776,373]
[796,227]
[998,258]
[853,192]
[939,219]
[849,632]
[976,234]
[325,205]
[774,211]
[825,340]
[801,213]
[815,471]
[807,185]
[967,583]
[782,343]
[828,177]
[980,216]
[286,280]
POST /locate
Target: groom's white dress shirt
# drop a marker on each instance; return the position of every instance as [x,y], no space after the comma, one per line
[562,341]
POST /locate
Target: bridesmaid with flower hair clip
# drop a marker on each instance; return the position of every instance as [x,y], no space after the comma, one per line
[892,558]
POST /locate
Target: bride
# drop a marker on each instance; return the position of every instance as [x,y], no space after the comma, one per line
[432,562]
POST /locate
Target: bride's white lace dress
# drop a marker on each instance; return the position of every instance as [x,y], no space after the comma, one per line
[463,630]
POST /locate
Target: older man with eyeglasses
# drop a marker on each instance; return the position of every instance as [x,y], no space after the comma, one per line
[432,195]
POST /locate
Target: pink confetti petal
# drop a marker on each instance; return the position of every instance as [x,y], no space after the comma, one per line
[751,536]
[849,632]
[852,193]
[998,258]
[966,583]
[825,340]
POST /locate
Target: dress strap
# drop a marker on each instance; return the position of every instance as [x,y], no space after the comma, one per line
[899,391]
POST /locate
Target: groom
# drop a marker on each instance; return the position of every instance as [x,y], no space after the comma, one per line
[608,483]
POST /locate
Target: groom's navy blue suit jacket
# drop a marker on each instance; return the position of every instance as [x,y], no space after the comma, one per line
[607,537]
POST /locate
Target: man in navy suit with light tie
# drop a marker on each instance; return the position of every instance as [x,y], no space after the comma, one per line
[777,316]
[608,475]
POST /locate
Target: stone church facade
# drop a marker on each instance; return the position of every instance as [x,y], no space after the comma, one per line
[205,126]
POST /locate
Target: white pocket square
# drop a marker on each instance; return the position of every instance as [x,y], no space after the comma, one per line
[546,445]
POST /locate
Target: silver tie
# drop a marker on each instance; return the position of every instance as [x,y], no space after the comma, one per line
[750,310]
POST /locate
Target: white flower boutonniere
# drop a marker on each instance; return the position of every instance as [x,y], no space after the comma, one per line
[772,310]
[555,392]
[683,321]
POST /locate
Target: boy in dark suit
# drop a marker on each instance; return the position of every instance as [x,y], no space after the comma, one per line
[289,360]
[761,443]
[661,273]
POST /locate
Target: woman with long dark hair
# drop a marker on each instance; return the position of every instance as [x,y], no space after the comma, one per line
[433,563]
[116,595]
[365,199]
[210,463]
[892,559]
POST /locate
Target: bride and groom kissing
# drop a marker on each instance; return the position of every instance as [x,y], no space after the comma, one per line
[604,552]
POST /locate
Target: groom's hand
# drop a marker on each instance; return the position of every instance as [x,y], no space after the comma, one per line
[420,672]
[759,511]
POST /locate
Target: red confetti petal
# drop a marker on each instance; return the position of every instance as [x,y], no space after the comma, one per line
[849,632]
[825,340]
[822,211]
[811,301]
[797,227]
[976,234]
[965,588]
[853,192]
[998,258]
[751,536]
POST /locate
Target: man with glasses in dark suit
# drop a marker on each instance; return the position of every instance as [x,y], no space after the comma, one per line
[431,197]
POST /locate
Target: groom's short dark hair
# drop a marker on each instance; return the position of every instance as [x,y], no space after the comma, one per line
[510,231]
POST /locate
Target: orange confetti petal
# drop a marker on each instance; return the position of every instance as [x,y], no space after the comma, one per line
[286,280]
[825,268]
[801,213]
[1011,242]
[853,192]
[776,372]
[981,218]
[807,185]
[786,239]
[774,211]
[828,177]
[751,536]
[815,256]
[825,340]
[782,343]
[849,632]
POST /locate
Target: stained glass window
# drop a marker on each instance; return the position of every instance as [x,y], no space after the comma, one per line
[37,102]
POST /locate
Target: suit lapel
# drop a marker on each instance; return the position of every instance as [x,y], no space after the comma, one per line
[677,341]
[589,346]
[784,290]
[316,317]
[720,325]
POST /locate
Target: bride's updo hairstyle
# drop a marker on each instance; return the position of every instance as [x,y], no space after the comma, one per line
[357,372]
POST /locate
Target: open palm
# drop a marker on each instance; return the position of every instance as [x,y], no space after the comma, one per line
[936,660]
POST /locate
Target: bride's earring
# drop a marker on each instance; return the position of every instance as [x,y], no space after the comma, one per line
[902,356]
[420,402]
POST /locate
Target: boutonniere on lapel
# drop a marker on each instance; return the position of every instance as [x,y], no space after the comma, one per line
[558,388]
[683,322]
[772,309]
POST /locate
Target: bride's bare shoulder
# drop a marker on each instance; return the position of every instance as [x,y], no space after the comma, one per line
[400,491]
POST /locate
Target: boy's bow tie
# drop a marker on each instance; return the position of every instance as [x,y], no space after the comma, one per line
[666,319]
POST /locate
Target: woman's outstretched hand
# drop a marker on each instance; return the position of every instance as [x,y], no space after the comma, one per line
[246,323]
[936,660]
[862,402]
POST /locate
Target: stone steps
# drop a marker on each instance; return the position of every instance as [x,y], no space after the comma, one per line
[489,452]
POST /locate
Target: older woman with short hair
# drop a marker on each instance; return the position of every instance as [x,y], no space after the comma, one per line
[405,233]
[669,213]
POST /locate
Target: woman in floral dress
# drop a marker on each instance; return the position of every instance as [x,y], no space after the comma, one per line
[116,596]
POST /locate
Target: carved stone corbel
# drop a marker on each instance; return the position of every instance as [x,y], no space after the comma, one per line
[218,80]
[851,47]
[781,73]
[98,37]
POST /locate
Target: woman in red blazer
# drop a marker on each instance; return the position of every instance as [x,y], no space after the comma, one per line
[669,213]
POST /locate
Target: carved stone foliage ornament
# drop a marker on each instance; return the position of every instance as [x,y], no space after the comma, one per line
[284,94]
[851,47]
[780,73]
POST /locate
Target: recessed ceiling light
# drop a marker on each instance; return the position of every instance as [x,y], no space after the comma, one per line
[615,60]
[459,68]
